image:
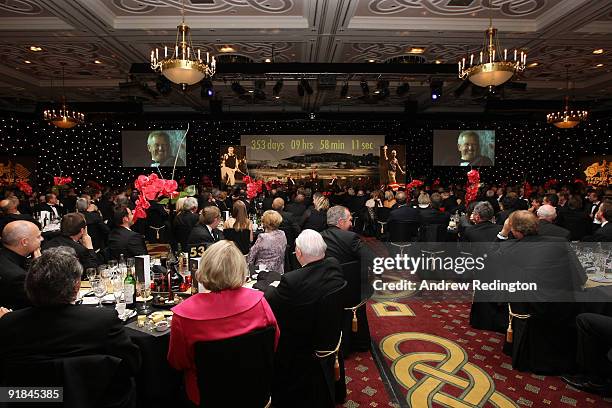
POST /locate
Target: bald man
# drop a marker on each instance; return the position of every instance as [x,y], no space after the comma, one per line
[20,239]
[547,215]
[9,212]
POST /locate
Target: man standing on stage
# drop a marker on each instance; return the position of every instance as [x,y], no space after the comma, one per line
[392,166]
[229,167]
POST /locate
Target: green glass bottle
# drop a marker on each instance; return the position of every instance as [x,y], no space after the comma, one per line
[129,284]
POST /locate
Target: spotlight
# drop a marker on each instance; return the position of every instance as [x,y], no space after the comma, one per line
[306,85]
[207,91]
[382,88]
[237,88]
[277,87]
[364,87]
[163,85]
[403,89]
[436,89]
[344,90]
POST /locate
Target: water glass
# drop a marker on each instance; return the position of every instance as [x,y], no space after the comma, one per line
[99,288]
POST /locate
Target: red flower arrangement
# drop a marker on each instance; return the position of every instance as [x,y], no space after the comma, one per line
[24,187]
[414,184]
[254,187]
[61,181]
[471,189]
[151,188]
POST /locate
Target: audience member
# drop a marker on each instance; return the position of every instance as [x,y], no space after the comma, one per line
[225,310]
[74,235]
[205,231]
[269,249]
[20,239]
[121,239]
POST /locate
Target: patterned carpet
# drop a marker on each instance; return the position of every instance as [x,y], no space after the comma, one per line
[433,358]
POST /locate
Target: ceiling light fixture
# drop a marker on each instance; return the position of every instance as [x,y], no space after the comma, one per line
[598,51]
[227,48]
[599,65]
[185,65]
[416,50]
[567,119]
[97,62]
[493,66]
[63,117]
[36,48]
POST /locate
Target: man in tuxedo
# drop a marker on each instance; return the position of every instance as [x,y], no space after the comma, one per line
[484,315]
[289,226]
[403,213]
[96,228]
[56,328]
[342,243]
[158,145]
[296,374]
[297,207]
[604,233]
[74,235]
[205,231]
[543,342]
[483,229]
[346,246]
[594,201]
[20,239]
[9,212]
[431,214]
[547,215]
[185,221]
[122,240]
[52,205]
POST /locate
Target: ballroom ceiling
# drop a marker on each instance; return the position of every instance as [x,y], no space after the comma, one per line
[98,41]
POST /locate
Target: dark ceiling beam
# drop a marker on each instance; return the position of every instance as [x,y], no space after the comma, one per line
[321,68]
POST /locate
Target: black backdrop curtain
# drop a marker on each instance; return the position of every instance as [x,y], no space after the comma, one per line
[524,150]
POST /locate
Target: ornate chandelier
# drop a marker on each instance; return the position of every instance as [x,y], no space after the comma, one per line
[492,67]
[185,66]
[566,118]
[63,117]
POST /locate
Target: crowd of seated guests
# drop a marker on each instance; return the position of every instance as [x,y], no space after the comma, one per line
[101,227]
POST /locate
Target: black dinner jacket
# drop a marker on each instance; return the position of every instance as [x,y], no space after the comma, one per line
[483,232]
[297,209]
[87,257]
[345,246]
[12,278]
[432,216]
[549,229]
[49,207]
[404,214]
[576,221]
[97,229]
[305,286]
[38,333]
[182,226]
[201,235]
[603,234]
[127,242]
[290,227]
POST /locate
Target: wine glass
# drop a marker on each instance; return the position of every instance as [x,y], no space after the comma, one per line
[91,273]
[99,289]
[144,291]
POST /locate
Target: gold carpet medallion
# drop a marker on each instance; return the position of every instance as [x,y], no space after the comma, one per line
[440,371]
[392,309]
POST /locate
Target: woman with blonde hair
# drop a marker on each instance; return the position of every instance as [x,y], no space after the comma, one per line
[316,218]
[389,199]
[239,228]
[269,249]
[224,310]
